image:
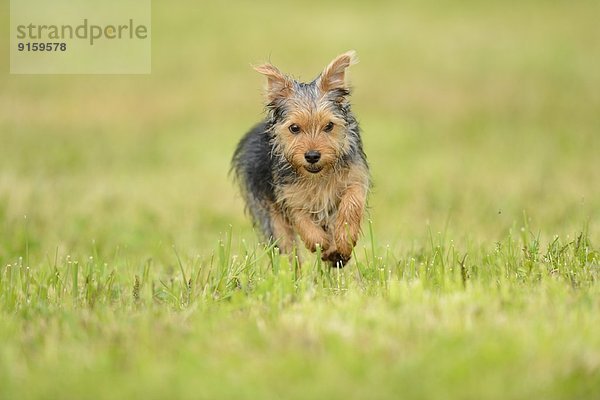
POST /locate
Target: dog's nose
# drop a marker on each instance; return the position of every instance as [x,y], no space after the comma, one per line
[312,156]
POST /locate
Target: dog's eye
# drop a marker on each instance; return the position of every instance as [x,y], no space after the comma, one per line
[328,127]
[294,128]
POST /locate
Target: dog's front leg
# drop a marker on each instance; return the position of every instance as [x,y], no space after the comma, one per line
[311,234]
[347,224]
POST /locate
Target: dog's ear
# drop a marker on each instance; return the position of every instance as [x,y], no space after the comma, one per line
[334,75]
[278,85]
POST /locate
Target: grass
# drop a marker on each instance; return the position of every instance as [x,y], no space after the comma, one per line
[128,270]
[514,320]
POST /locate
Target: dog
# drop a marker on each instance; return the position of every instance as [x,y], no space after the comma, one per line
[302,170]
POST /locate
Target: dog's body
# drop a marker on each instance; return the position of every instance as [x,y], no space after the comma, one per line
[303,170]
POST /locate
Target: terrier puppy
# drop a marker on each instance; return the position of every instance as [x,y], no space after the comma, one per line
[302,170]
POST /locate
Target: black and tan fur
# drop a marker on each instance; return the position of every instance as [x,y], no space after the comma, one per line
[303,170]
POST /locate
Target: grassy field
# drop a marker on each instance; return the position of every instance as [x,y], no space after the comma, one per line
[128,269]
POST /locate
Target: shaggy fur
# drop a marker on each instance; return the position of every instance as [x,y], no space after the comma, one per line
[303,170]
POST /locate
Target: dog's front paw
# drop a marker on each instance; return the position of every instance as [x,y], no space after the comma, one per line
[322,242]
[337,259]
[345,238]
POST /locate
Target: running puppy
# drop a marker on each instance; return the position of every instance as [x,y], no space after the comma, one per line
[302,170]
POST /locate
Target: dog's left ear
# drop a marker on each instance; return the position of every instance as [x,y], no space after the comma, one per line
[334,75]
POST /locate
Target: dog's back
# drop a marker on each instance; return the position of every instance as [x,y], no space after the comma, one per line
[251,165]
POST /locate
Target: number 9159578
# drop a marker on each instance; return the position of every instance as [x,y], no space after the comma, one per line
[49,46]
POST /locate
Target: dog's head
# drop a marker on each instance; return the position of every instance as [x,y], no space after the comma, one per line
[311,123]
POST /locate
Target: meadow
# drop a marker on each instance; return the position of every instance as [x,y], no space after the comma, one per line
[129,270]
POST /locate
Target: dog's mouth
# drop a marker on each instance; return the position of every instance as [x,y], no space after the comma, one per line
[313,169]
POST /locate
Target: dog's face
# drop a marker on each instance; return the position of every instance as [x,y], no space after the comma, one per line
[310,126]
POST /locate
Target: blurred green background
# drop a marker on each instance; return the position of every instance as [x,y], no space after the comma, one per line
[473,113]
[479,118]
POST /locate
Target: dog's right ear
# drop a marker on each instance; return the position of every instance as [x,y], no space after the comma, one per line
[278,85]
